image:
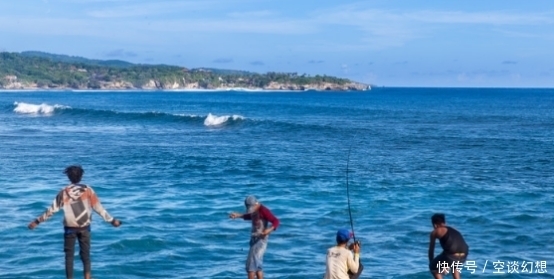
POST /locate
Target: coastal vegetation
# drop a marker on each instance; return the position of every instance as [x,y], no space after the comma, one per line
[39,70]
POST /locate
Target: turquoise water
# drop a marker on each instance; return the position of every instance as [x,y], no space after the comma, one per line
[172,166]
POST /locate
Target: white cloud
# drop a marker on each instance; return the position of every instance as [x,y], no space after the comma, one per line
[377,29]
[531,34]
[360,14]
[253,14]
[490,18]
[386,28]
[138,29]
[260,26]
[364,28]
[93,1]
[153,9]
[487,76]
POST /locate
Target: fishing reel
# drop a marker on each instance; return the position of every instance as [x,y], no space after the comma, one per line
[356,242]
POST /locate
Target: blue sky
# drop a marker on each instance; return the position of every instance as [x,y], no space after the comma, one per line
[470,43]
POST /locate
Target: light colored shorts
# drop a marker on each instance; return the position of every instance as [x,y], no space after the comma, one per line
[255,258]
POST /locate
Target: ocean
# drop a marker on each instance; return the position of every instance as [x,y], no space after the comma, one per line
[173,165]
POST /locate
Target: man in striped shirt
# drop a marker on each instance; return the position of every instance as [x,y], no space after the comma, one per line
[77,201]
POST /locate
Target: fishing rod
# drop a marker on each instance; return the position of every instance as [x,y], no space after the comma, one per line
[348,192]
[361,267]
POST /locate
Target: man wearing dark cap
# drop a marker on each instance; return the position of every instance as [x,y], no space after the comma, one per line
[341,262]
[260,216]
[455,249]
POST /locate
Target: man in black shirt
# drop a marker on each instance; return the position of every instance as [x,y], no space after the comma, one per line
[454,247]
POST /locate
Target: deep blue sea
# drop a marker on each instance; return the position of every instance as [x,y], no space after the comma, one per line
[173,165]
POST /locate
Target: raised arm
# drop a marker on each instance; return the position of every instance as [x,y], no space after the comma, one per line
[97,206]
[353,262]
[245,216]
[57,203]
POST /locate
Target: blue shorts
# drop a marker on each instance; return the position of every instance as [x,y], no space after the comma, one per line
[255,258]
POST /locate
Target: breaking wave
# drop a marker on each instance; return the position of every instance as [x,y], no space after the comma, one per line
[42,109]
[214,120]
[210,120]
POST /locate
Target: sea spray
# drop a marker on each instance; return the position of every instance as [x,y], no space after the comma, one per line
[26,108]
[214,120]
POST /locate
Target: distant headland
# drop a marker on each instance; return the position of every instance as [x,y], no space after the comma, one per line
[33,70]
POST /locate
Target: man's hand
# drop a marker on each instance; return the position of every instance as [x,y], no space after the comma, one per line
[116,223]
[32,225]
[355,247]
[267,231]
[235,215]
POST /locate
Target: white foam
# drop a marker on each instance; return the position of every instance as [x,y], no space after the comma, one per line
[188,115]
[242,89]
[214,120]
[43,108]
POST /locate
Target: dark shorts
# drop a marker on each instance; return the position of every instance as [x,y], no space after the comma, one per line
[444,261]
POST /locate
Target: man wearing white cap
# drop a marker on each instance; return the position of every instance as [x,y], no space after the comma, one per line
[260,216]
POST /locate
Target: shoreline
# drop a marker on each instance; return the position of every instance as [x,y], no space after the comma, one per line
[177,90]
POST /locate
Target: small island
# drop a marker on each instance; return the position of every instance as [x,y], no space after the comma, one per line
[34,70]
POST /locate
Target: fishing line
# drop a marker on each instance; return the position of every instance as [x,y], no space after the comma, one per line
[348,190]
[361,267]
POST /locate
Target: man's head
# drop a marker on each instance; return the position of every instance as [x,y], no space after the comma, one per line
[438,219]
[74,173]
[343,236]
[251,204]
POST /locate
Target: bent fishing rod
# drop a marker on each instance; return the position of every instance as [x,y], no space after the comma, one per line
[361,267]
[348,192]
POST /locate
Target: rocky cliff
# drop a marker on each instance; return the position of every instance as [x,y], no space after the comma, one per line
[57,72]
[13,83]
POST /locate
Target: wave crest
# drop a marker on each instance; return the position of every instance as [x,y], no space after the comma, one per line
[214,120]
[210,120]
[26,108]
